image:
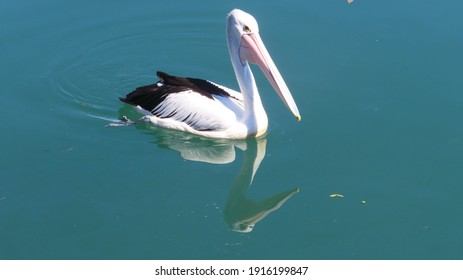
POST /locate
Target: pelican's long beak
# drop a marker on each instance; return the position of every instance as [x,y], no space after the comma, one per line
[252,49]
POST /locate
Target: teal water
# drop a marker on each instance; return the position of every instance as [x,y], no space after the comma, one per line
[378,85]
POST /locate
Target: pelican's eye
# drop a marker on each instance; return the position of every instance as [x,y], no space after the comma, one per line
[246,29]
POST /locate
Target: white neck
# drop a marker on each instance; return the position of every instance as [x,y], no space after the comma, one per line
[254,116]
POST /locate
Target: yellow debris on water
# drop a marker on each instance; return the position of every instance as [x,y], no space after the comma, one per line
[336,195]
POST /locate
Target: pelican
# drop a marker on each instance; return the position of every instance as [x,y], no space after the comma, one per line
[207,109]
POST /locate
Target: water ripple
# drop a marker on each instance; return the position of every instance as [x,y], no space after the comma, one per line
[96,64]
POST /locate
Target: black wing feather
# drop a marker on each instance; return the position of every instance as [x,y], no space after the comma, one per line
[150,96]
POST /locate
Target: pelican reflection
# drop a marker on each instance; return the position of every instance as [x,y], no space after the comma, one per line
[241,213]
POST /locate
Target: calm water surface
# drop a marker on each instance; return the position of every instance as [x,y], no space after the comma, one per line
[378,84]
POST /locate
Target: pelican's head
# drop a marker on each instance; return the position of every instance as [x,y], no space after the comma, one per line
[240,23]
[244,42]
